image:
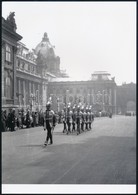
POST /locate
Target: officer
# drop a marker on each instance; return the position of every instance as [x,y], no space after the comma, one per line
[69,119]
[64,120]
[78,119]
[87,118]
[50,121]
[73,118]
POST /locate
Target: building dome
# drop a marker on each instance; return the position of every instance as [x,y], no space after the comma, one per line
[45,48]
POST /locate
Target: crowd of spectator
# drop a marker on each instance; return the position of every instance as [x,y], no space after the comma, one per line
[18,120]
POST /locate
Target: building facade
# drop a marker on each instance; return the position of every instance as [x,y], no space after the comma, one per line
[9,49]
[100,92]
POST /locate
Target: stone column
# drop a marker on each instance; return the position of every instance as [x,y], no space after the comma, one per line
[115,100]
[3,63]
[19,89]
[34,95]
[14,49]
[24,94]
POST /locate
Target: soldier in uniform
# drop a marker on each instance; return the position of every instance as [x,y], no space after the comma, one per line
[49,124]
[73,118]
[87,118]
[78,119]
[90,117]
[83,118]
[64,120]
[69,119]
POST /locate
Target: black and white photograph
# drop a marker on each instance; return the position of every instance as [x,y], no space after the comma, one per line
[68,97]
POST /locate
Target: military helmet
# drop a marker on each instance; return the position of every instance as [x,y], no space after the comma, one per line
[73,108]
[48,104]
[82,108]
[87,108]
[78,108]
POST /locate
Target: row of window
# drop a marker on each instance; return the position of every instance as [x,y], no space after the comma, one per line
[25,66]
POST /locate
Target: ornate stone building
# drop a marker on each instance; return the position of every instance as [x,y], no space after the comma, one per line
[9,49]
[100,92]
[126,98]
[29,78]
[25,74]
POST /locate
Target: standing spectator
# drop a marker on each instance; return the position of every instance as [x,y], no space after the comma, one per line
[33,119]
[28,119]
[3,121]
[22,118]
[36,115]
[13,119]
[9,120]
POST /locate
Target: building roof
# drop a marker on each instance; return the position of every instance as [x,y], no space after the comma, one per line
[65,79]
[101,73]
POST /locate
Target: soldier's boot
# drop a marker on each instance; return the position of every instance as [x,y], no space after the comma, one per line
[45,143]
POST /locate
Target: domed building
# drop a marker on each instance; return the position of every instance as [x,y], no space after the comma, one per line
[46,57]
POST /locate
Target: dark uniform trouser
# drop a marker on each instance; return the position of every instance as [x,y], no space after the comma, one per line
[73,126]
[69,125]
[86,125]
[78,126]
[82,126]
[49,134]
[65,128]
[90,125]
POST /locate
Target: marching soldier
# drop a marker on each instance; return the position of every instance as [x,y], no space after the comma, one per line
[83,118]
[90,117]
[73,118]
[69,119]
[78,119]
[50,122]
[87,118]
[64,120]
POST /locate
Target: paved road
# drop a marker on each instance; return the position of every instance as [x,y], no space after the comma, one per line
[104,155]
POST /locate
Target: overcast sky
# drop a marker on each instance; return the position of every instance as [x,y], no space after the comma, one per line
[88,36]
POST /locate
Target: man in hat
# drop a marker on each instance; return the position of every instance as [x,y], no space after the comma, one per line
[50,121]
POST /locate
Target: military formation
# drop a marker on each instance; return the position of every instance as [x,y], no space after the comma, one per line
[77,119]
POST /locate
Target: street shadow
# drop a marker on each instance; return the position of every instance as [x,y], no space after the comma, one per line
[31,145]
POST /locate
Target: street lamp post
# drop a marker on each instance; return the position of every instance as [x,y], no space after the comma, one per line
[32,98]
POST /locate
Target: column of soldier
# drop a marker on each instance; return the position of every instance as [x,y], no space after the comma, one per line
[77,119]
